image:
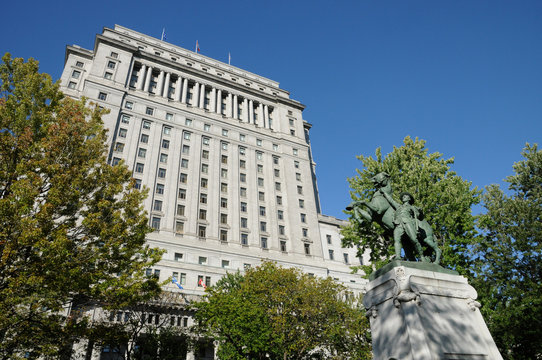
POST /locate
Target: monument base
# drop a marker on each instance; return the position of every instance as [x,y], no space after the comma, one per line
[425,312]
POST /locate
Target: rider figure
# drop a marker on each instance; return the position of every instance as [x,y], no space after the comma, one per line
[406,222]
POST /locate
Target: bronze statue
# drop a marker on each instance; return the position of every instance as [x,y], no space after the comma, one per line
[404,220]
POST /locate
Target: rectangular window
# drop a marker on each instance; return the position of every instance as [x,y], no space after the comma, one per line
[280,214]
[144,138]
[275,160]
[149,111]
[186,149]
[281,230]
[157,205]
[223,203]
[242,137]
[259,155]
[301,203]
[203,183]
[166,130]
[300,190]
[259,142]
[305,232]
[294,151]
[243,192]
[298,176]
[202,260]
[111,64]
[223,235]
[296,164]
[184,163]
[183,178]
[169,116]
[303,218]
[283,246]
[79,64]
[161,173]
[102,96]
[129,105]
[224,132]
[244,223]
[178,256]
[224,159]
[277,172]
[243,207]
[165,144]
[244,239]
[223,218]
[260,181]
[139,168]
[224,145]
[142,153]
[163,158]
[242,150]
[225,263]
[146,124]
[160,189]
[260,169]
[224,173]
[262,210]
[200,280]
[115,161]
[206,127]
[201,231]
[277,186]
[137,184]
[275,147]
[223,187]
[204,168]
[72,85]
[279,200]
[182,194]
[263,241]
[203,214]
[125,119]
[122,133]
[186,135]
[331,255]
[242,164]
[155,223]
[180,210]
[188,122]
[119,147]
[263,226]
[346,260]
[203,198]
[261,196]
[243,177]
[205,154]
[328,238]
[307,248]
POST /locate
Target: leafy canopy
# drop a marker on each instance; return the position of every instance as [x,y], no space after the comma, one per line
[277,313]
[72,228]
[509,259]
[445,198]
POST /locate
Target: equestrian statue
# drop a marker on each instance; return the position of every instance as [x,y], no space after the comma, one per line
[401,220]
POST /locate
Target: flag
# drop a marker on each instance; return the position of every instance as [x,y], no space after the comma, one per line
[173,280]
[229,58]
[197,47]
[201,283]
[163,34]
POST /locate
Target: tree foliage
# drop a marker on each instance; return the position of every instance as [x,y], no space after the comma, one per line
[277,313]
[509,265]
[72,228]
[445,198]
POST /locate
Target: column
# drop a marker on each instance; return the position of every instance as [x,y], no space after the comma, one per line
[245,110]
[219,101]
[251,111]
[212,103]
[141,77]
[201,96]
[261,121]
[235,106]
[270,118]
[148,79]
[185,90]
[195,94]
[178,88]
[266,116]
[159,84]
[166,85]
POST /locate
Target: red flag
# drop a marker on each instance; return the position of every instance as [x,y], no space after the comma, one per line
[197,46]
[201,283]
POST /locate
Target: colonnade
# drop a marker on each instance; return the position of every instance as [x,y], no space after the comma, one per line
[197,94]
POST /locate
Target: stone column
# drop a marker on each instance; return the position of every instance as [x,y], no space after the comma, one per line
[235,107]
[245,111]
[212,103]
[166,85]
[148,79]
[202,96]
[251,111]
[261,121]
[141,77]
[195,95]
[159,84]
[185,90]
[266,117]
[219,101]
[178,87]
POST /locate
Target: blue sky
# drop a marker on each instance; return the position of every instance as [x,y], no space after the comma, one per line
[466,76]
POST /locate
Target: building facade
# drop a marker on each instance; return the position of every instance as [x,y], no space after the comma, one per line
[225,154]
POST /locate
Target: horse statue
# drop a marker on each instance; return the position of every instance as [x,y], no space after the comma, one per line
[401,221]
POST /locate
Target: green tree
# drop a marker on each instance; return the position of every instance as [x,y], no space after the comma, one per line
[72,231]
[277,313]
[445,198]
[509,259]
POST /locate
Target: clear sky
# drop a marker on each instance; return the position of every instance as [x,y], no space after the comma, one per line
[464,75]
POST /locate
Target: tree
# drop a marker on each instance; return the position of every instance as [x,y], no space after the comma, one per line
[445,198]
[72,231]
[509,259]
[277,313]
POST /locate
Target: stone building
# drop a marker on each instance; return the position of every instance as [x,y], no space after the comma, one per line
[225,154]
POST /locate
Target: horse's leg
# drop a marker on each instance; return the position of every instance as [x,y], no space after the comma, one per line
[397,235]
[430,241]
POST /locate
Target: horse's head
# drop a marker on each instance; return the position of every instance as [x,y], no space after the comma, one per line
[381,179]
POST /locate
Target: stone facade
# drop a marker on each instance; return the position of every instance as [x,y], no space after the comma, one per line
[225,154]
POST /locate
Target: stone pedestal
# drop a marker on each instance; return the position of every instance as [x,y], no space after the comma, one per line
[421,311]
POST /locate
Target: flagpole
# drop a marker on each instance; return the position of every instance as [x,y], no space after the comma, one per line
[229,58]
[163,33]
